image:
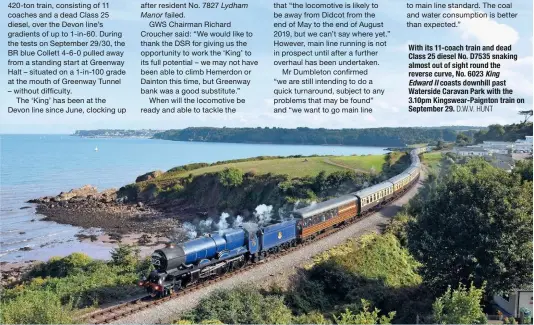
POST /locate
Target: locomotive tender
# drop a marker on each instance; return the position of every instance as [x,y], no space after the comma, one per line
[181,265]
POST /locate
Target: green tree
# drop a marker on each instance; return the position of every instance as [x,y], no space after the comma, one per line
[460,306]
[440,145]
[320,182]
[245,305]
[476,225]
[523,168]
[364,316]
[231,177]
[462,139]
[526,114]
[125,256]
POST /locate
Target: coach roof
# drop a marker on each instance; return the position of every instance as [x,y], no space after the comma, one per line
[397,178]
[373,189]
[325,206]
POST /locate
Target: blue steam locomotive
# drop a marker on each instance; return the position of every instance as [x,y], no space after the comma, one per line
[181,265]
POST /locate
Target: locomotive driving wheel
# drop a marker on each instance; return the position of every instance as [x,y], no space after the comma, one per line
[177,285]
[238,264]
[225,268]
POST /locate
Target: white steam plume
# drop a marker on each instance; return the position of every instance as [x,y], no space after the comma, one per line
[263,214]
[190,229]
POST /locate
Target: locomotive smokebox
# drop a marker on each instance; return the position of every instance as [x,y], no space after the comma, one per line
[168,258]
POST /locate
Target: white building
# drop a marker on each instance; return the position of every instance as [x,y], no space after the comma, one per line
[515,302]
[471,151]
[523,145]
[500,147]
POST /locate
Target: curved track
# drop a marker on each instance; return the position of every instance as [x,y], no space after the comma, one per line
[119,311]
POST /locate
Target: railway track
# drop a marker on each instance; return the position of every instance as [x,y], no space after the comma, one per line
[122,310]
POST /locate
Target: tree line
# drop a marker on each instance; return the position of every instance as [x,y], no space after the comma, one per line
[384,137]
[496,132]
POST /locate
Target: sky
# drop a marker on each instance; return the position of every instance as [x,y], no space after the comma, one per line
[389,110]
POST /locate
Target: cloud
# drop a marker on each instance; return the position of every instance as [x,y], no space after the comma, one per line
[485,30]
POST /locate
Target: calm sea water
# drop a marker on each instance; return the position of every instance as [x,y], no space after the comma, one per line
[32,166]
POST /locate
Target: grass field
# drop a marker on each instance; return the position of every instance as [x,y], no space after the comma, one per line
[361,163]
[432,159]
[418,145]
[294,167]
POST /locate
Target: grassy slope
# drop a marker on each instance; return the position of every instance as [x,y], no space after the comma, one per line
[418,145]
[295,167]
[362,163]
[432,159]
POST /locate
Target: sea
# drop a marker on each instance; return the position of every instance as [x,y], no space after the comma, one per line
[32,166]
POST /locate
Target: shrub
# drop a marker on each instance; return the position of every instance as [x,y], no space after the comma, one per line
[460,306]
[364,316]
[230,177]
[36,307]
[60,267]
[244,305]
[125,256]
[397,227]
[312,318]
[382,257]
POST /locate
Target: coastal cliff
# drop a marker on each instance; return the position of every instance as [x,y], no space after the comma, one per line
[159,202]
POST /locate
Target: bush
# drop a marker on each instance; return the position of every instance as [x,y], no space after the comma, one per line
[245,305]
[364,316]
[523,168]
[62,285]
[321,288]
[397,227]
[36,307]
[126,257]
[60,267]
[460,306]
[311,318]
[230,177]
[187,167]
[382,257]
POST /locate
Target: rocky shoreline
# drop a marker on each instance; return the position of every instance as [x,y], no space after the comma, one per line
[86,207]
[13,273]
